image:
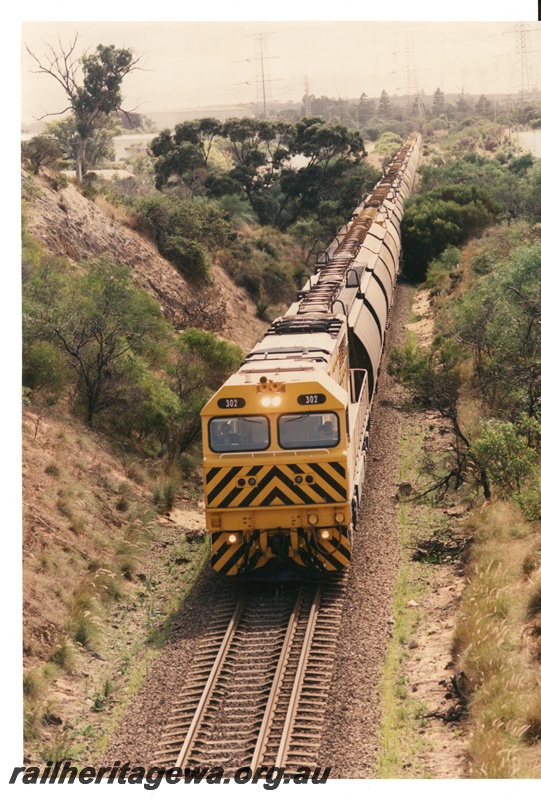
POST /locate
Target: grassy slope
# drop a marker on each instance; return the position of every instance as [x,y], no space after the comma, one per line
[102,572]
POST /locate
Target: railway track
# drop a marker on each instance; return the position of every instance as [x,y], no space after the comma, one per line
[256,693]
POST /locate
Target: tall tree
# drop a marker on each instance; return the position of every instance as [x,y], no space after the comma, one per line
[499,320]
[462,105]
[438,103]
[483,106]
[384,107]
[364,110]
[330,151]
[92,85]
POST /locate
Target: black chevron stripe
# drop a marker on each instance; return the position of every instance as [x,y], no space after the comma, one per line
[227,502]
[339,468]
[341,490]
[344,550]
[220,552]
[230,474]
[277,493]
[323,493]
[276,472]
[300,496]
[337,564]
[248,500]
[238,555]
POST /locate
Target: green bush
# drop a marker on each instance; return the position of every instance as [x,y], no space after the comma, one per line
[503,451]
[147,406]
[443,271]
[40,151]
[164,495]
[445,216]
[190,258]
[529,499]
[45,369]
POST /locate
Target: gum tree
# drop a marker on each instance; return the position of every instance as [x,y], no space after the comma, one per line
[92,85]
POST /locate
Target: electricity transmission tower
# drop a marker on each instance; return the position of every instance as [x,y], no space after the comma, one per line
[263,81]
[524,74]
[307,99]
[414,101]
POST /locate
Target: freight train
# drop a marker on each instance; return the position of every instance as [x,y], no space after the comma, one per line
[285,438]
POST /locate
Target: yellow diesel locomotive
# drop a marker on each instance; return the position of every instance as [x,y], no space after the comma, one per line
[285,437]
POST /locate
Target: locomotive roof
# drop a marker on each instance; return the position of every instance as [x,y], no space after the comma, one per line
[296,347]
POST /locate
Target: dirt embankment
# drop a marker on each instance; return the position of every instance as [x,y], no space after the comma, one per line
[101,573]
[70,225]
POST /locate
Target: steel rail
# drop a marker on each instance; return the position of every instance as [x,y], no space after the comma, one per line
[276,684]
[209,686]
[299,677]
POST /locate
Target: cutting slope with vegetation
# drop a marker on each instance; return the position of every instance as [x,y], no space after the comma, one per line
[140,294]
[136,292]
[473,234]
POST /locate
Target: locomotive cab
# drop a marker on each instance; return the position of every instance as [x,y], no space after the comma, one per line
[276,472]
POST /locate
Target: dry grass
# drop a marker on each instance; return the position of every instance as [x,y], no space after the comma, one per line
[501,677]
[87,527]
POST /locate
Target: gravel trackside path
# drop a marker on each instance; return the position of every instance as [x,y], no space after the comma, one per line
[353,715]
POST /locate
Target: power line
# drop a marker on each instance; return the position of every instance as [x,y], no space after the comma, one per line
[307,99]
[524,72]
[263,81]
[412,81]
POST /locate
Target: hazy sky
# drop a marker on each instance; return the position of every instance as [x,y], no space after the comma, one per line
[187,64]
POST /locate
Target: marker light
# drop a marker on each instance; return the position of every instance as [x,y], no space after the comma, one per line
[233,538]
[266,401]
[339,517]
[312,519]
[325,534]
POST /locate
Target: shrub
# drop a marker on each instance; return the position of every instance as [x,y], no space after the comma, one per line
[164,495]
[86,630]
[45,369]
[445,216]
[443,271]
[52,469]
[504,453]
[529,499]
[34,684]
[147,405]
[40,151]
[190,258]
[63,655]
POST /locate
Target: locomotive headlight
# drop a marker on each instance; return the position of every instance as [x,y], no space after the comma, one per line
[233,538]
[265,401]
[276,400]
